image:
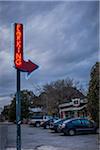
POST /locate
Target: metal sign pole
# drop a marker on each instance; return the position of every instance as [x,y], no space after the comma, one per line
[18,112]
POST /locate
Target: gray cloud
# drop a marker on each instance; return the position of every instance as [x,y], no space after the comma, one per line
[61,37]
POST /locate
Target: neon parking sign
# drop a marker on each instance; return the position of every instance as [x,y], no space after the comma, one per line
[18,56]
[20,63]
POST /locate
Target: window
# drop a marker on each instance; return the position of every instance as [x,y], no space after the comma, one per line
[76,122]
[87,123]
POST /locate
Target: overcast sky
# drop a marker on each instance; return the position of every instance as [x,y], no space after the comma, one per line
[60,37]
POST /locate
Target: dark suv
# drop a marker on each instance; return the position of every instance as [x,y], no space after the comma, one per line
[78,126]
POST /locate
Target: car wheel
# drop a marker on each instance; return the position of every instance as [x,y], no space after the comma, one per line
[71,132]
[37,124]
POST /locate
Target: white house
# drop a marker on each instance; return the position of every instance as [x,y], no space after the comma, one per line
[75,108]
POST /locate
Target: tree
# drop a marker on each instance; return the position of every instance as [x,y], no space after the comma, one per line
[52,95]
[5,112]
[12,110]
[93,93]
[25,97]
[58,92]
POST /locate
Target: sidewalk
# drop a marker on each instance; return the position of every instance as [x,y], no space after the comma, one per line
[42,148]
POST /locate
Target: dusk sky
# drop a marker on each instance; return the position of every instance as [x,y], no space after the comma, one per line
[60,37]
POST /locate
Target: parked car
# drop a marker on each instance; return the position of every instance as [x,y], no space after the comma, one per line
[38,119]
[78,126]
[46,124]
[45,119]
[56,125]
[35,120]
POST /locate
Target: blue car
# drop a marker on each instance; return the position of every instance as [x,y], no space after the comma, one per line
[55,126]
[78,126]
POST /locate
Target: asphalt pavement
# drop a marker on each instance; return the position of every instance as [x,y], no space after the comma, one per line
[44,139]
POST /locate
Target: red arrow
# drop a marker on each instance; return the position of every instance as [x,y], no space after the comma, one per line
[28,66]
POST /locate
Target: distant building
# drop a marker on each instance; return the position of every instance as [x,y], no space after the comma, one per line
[75,108]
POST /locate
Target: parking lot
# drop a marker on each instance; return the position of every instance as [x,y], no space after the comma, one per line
[44,139]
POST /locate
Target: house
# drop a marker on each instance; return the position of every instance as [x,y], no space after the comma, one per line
[74,108]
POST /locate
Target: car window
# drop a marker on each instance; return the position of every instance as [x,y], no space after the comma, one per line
[76,122]
[36,117]
[87,123]
[47,117]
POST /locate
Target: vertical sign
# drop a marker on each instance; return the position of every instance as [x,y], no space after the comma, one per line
[18,55]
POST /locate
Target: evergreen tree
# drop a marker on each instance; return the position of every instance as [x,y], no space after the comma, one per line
[25,97]
[93,93]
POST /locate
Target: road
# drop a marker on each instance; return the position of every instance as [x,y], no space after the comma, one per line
[43,139]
